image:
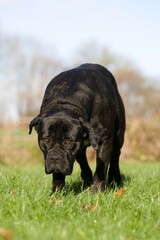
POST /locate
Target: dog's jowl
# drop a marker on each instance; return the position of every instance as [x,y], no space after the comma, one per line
[81,105]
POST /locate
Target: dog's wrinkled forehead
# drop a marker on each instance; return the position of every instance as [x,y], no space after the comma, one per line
[60,127]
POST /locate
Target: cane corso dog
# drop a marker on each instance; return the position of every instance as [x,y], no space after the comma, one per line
[81,107]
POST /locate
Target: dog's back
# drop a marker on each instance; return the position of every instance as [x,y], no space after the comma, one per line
[86,81]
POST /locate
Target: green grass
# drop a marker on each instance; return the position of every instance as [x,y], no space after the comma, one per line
[18,148]
[29,212]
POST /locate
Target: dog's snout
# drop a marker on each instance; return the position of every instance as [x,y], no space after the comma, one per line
[55,159]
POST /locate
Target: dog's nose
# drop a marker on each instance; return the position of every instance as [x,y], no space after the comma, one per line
[55,159]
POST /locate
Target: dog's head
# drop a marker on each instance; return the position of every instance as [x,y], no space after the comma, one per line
[61,140]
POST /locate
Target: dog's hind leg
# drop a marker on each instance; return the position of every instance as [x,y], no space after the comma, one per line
[114,176]
[102,161]
[86,172]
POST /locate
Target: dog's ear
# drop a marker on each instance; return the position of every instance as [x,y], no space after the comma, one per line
[34,123]
[88,131]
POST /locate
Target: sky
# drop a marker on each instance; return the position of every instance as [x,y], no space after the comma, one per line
[128,28]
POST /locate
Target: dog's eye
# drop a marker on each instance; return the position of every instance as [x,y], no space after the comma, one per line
[46,140]
[68,141]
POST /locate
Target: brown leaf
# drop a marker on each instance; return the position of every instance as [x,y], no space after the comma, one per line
[5,234]
[120,192]
[12,192]
[55,201]
[90,207]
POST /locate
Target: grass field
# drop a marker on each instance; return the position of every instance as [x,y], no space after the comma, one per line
[27,211]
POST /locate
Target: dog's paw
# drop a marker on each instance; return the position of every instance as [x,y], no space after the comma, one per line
[57,185]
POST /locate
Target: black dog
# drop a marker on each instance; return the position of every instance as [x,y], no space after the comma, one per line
[81,105]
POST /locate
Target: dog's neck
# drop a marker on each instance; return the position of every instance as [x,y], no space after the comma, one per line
[70,108]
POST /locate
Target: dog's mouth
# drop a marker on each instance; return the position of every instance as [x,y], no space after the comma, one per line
[55,169]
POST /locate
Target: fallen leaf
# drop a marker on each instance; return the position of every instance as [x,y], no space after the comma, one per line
[5,234]
[120,192]
[12,192]
[55,201]
[58,201]
[90,207]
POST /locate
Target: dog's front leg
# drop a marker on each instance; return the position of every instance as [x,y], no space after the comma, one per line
[58,181]
[103,159]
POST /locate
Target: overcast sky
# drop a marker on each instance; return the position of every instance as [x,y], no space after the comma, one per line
[129,28]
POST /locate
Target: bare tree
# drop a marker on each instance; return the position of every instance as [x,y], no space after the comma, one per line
[42,68]
[93,53]
[25,69]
